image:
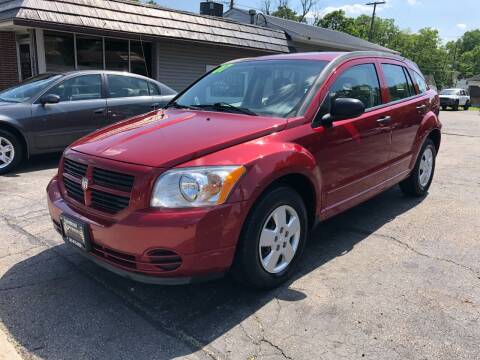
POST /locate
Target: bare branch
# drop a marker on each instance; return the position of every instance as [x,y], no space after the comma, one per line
[306,5]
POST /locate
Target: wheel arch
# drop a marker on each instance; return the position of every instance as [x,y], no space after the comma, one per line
[435,135]
[15,131]
[303,185]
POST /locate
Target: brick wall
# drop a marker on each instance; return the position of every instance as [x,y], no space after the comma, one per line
[8,60]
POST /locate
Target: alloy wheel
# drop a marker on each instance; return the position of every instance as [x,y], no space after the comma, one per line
[7,152]
[279,239]
[426,167]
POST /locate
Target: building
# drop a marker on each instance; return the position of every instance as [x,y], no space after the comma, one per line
[175,47]
[303,37]
[474,89]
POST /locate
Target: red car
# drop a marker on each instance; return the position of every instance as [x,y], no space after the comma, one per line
[231,176]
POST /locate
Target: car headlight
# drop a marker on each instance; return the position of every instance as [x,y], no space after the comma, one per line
[195,187]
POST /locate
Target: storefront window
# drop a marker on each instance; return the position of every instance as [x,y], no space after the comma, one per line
[59,51]
[95,52]
[116,54]
[89,52]
[140,58]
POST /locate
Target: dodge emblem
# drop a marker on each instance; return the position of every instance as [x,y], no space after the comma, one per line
[84,184]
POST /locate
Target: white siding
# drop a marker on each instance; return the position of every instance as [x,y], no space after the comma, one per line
[181,63]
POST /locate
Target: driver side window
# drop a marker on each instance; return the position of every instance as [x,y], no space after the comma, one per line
[358,82]
[84,87]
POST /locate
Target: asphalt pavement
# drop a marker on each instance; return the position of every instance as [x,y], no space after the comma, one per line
[394,278]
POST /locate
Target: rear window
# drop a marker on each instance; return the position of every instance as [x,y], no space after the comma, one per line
[126,86]
[422,85]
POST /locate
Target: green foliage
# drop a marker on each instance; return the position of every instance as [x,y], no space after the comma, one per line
[424,47]
[285,12]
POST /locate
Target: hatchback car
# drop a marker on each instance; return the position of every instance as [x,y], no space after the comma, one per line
[454,98]
[233,173]
[50,111]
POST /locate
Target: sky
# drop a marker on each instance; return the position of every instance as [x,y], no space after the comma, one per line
[450,17]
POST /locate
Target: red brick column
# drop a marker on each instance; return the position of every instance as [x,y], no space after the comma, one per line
[8,60]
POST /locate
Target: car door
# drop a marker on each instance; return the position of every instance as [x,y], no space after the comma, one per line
[407,109]
[352,153]
[127,96]
[81,110]
[161,94]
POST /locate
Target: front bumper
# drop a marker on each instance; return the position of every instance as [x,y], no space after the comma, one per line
[448,101]
[205,239]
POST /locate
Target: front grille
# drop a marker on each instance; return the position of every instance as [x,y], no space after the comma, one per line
[74,190]
[109,191]
[120,258]
[113,179]
[109,202]
[75,168]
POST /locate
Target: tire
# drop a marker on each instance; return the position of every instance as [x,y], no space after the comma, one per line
[466,106]
[416,185]
[455,107]
[7,139]
[249,266]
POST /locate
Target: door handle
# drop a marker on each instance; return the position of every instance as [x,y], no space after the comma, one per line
[421,107]
[384,120]
[99,111]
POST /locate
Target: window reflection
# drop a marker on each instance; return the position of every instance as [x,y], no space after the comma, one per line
[59,51]
[116,54]
[89,52]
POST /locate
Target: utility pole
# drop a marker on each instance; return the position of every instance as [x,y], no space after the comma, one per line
[231,4]
[375,3]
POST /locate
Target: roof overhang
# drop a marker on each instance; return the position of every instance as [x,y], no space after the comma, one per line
[128,18]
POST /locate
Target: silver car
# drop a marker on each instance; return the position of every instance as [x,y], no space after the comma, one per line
[50,111]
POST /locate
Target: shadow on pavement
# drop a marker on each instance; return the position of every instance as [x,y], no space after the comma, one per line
[58,305]
[36,163]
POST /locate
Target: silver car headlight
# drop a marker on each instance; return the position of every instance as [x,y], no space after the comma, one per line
[195,187]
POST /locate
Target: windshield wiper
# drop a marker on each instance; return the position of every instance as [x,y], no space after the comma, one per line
[227,106]
[180,106]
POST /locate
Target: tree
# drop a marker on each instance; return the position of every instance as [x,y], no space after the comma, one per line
[266,6]
[285,12]
[336,20]
[306,5]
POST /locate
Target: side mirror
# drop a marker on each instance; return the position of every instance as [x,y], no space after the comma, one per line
[49,99]
[343,108]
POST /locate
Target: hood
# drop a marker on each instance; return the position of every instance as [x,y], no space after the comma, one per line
[449,96]
[14,111]
[169,137]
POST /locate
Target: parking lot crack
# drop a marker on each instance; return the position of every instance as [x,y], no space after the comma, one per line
[278,348]
[412,249]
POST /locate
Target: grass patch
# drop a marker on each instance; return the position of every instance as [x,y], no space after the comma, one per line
[474,108]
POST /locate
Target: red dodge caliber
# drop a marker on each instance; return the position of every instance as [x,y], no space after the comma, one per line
[233,173]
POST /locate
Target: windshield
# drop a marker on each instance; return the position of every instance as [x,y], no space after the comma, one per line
[264,87]
[449,92]
[29,88]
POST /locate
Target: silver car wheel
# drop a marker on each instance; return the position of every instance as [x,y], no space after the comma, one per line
[279,239]
[7,152]
[426,167]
